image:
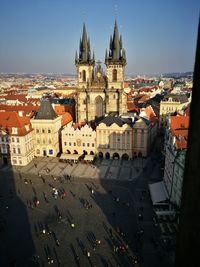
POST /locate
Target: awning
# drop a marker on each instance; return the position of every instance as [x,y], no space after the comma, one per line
[70,156]
[89,157]
[158,192]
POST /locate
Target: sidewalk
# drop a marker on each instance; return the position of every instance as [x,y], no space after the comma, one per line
[120,170]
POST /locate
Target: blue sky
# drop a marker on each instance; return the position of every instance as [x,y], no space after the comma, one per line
[42,35]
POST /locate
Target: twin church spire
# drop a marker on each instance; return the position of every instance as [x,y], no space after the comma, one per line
[84,50]
[116,53]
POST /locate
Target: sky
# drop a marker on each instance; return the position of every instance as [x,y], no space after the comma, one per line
[41,36]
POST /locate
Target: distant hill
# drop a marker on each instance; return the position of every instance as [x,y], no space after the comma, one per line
[178,74]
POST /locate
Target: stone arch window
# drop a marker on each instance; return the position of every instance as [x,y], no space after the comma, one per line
[125,156]
[100,154]
[84,75]
[116,156]
[114,75]
[107,155]
[99,106]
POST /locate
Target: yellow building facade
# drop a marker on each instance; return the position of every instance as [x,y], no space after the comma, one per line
[170,104]
[47,127]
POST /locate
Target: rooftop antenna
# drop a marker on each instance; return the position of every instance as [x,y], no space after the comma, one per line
[84,16]
[115,9]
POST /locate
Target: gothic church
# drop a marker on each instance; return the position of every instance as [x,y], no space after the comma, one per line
[99,94]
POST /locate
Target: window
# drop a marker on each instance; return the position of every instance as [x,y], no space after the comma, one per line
[114,75]
[92,144]
[38,141]
[43,131]
[17,140]
[14,161]
[19,150]
[65,143]
[14,150]
[74,144]
[83,144]
[20,162]
[37,131]
[13,139]
[37,151]
[88,144]
[49,131]
[84,75]
[70,143]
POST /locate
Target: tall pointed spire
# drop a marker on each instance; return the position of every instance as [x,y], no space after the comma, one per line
[111,42]
[120,42]
[124,55]
[84,48]
[76,57]
[106,56]
[115,47]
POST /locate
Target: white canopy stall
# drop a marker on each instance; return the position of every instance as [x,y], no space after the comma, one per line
[158,193]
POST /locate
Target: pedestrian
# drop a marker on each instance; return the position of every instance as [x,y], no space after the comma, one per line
[110,231]
[77,258]
[72,225]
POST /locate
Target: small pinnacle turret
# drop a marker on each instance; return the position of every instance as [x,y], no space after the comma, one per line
[116,51]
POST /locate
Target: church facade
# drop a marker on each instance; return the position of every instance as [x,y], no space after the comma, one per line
[98,93]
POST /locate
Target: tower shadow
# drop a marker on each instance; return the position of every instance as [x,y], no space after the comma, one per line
[16,242]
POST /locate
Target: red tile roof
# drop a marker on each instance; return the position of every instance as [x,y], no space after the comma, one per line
[26,109]
[150,114]
[66,118]
[79,125]
[179,128]
[9,120]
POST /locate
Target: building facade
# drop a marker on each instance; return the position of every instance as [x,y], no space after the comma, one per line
[4,146]
[114,138]
[16,139]
[175,151]
[47,127]
[125,137]
[78,140]
[170,104]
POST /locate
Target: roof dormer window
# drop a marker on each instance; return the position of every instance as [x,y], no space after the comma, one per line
[14,130]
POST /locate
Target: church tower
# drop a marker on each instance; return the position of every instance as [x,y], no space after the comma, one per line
[99,94]
[115,61]
[84,62]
